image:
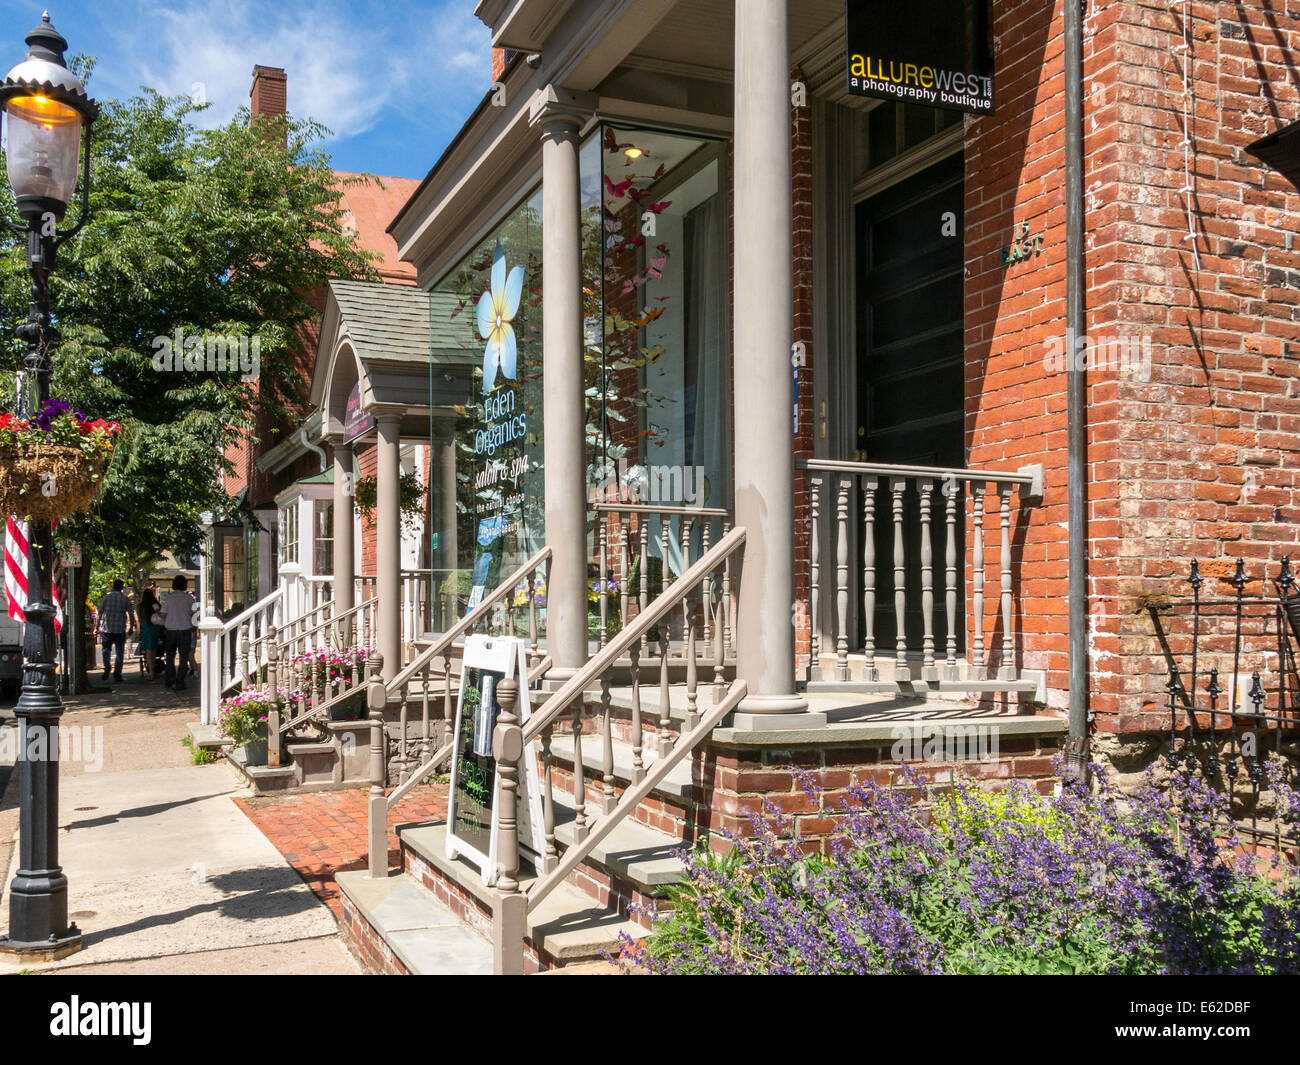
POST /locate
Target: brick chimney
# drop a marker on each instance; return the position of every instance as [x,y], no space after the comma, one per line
[269,94]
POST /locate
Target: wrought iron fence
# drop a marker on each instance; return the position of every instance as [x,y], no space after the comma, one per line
[1233,693]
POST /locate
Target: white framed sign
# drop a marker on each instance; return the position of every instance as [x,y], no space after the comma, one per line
[472,809]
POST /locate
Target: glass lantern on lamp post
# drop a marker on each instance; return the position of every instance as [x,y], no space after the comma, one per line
[47,122]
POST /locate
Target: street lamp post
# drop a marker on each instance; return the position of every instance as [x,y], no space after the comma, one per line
[47,118]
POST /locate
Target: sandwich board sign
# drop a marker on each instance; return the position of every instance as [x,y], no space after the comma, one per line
[472,805]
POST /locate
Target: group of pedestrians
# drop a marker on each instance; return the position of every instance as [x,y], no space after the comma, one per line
[166,625]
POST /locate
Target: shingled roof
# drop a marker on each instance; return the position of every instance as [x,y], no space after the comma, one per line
[391,323]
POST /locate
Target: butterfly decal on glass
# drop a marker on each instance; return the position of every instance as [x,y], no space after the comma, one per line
[497,308]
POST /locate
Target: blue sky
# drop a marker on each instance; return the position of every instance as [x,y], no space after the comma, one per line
[393,80]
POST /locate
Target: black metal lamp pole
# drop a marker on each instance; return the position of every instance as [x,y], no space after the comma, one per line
[47,112]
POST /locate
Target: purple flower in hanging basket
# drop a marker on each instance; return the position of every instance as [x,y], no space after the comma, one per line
[50,410]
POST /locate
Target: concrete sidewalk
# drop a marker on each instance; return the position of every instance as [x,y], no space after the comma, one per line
[166,873]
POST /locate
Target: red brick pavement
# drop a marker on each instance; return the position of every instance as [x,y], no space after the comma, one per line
[324,832]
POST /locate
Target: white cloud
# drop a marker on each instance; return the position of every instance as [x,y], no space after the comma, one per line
[346,64]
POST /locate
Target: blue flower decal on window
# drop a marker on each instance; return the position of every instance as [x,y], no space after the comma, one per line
[496,313]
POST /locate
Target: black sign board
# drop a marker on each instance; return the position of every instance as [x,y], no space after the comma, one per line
[938,53]
[471,807]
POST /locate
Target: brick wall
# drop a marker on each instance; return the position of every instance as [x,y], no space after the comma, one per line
[1199,459]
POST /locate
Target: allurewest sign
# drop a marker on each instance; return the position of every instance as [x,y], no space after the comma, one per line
[932,52]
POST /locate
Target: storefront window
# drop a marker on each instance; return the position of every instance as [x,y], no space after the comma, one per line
[486,425]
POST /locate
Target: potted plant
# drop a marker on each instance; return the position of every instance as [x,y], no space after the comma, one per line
[325,670]
[242,720]
[52,463]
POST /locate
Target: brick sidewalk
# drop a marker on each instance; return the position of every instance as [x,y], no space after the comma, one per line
[324,832]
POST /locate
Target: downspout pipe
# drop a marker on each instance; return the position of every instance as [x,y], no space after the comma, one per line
[1076,393]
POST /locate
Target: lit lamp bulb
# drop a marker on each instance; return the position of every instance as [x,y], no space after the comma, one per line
[633,153]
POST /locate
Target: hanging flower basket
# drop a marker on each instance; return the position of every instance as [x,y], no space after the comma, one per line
[52,465]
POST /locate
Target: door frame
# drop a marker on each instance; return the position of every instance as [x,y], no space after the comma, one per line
[836,144]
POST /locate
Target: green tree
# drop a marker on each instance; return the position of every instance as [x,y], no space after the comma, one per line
[215,233]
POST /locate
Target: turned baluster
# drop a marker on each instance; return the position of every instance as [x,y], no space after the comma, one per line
[273,690]
[603,583]
[814,576]
[625,568]
[729,610]
[552,856]
[532,611]
[869,486]
[719,656]
[951,488]
[1008,668]
[579,785]
[665,569]
[448,706]
[425,733]
[977,582]
[902,674]
[665,714]
[692,679]
[638,739]
[928,673]
[687,524]
[607,748]
[842,580]
[241,653]
[708,580]
[643,567]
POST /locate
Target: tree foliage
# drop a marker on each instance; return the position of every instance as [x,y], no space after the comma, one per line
[215,233]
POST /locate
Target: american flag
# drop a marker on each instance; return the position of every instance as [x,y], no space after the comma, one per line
[16,573]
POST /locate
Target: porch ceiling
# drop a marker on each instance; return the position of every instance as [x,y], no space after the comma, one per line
[700,34]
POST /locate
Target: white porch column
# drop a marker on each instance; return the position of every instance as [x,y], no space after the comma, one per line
[763,392]
[344,574]
[388,541]
[558,114]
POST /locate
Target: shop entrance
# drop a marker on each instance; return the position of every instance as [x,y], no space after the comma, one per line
[910,364]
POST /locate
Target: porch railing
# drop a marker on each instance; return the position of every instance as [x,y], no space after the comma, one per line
[627,534]
[849,491]
[417,680]
[513,741]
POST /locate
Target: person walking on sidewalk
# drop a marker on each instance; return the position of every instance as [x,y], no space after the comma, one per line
[178,625]
[115,613]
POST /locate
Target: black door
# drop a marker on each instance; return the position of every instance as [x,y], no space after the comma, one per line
[911,369]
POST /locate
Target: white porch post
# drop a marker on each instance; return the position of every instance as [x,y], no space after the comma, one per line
[388,542]
[558,114]
[344,592]
[763,392]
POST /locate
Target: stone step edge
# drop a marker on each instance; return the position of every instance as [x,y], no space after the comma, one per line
[402,915]
[568,925]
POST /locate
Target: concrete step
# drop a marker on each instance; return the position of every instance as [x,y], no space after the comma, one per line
[423,934]
[677,784]
[633,851]
[568,925]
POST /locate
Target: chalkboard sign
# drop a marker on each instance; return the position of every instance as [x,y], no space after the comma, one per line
[472,811]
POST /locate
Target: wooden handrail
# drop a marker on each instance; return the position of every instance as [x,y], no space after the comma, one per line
[1024,476]
[633,796]
[670,511]
[646,620]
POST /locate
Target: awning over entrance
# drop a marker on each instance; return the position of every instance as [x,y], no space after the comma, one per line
[375,339]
